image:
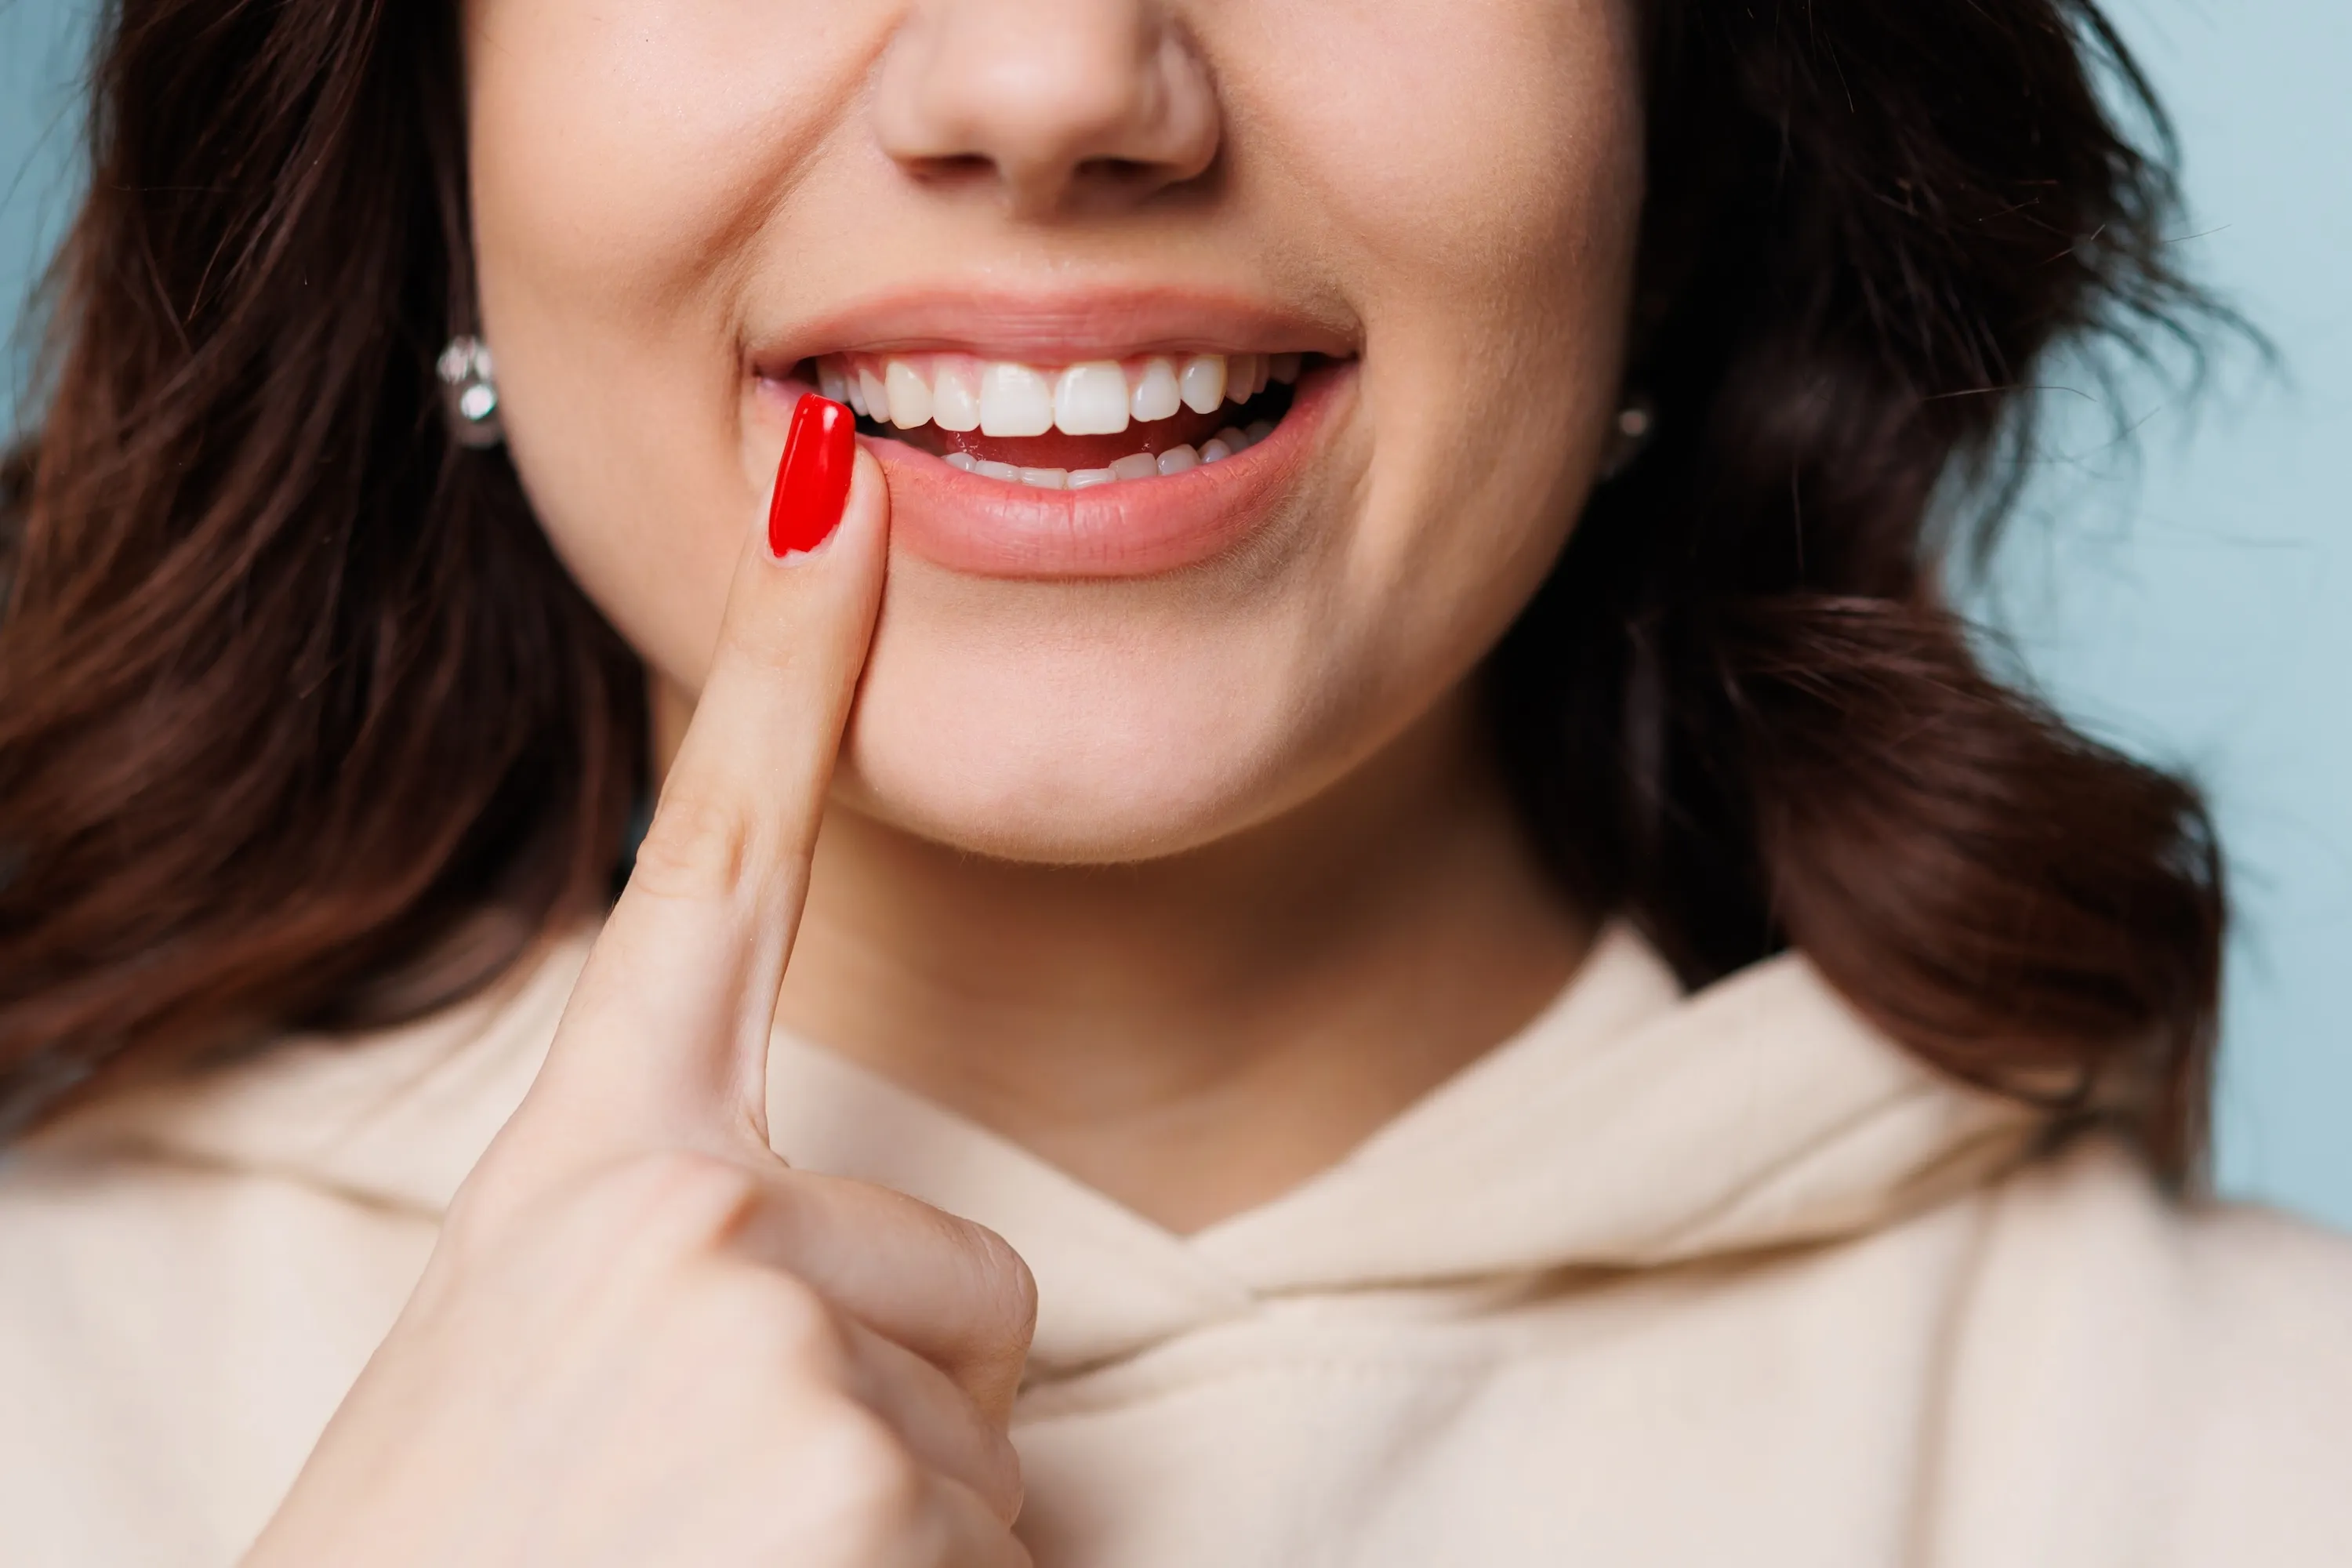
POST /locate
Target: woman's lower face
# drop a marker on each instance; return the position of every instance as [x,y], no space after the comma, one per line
[1238,368]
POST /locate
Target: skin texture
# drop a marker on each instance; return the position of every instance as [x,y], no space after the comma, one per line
[1321,905]
[1188,881]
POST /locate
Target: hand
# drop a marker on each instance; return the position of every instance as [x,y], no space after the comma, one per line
[641,1338]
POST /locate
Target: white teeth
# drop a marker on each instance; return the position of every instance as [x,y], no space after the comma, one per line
[1000,397]
[955,397]
[1157,395]
[910,394]
[1214,450]
[1233,439]
[1259,430]
[1203,382]
[1134,466]
[1091,399]
[1241,378]
[1015,401]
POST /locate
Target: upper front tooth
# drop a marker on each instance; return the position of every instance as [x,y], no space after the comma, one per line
[1241,379]
[833,383]
[1015,401]
[873,396]
[909,394]
[955,396]
[1203,382]
[1091,399]
[1157,395]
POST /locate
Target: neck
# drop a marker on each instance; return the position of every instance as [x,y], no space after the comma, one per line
[1196,1035]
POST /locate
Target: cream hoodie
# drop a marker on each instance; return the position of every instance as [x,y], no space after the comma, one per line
[1724,1280]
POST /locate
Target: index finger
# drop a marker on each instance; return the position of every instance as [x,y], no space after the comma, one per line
[665,1041]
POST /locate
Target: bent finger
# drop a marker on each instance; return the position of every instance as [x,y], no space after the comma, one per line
[935,1420]
[965,1532]
[953,1293]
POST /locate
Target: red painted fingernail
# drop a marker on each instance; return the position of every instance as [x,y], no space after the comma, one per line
[813,481]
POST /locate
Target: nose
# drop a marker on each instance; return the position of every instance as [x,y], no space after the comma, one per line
[1055,105]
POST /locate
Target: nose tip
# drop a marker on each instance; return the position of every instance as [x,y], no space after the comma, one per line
[1055,103]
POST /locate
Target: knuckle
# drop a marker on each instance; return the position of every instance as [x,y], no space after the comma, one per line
[1002,1286]
[695,848]
[670,1201]
[800,1327]
[876,1491]
[777,1322]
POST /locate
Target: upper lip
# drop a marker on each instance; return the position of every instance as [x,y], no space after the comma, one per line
[1053,326]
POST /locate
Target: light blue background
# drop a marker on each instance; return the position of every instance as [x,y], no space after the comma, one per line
[2191,595]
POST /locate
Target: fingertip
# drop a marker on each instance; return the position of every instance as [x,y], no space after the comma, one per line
[868,508]
[813,478]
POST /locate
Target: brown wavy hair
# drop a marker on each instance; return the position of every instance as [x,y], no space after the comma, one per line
[303,724]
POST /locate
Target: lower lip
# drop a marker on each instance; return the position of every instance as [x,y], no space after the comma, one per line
[1136,528]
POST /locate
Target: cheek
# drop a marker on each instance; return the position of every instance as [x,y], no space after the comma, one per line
[1492,231]
[624,158]
[1484,153]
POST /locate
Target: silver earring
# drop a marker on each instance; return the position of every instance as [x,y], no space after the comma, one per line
[469,393]
[1628,436]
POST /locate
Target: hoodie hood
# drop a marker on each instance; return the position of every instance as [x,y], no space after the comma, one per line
[1628,1126]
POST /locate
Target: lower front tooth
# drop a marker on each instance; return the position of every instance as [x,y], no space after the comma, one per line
[1233,439]
[1176,459]
[1137,465]
[1087,478]
[1215,451]
[1046,479]
[964,460]
[1005,471]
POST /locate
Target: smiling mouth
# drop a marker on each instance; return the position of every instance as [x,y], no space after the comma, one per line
[1068,426]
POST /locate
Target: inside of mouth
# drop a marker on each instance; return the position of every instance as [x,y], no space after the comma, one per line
[1056,459]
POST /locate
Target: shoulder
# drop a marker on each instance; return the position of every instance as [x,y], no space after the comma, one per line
[192,1275]
[2244,1283]
[172,1340]
[2134,1369]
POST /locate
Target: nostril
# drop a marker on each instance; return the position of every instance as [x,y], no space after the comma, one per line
[955,167]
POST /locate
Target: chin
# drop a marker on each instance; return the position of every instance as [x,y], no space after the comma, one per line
[1071,756]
